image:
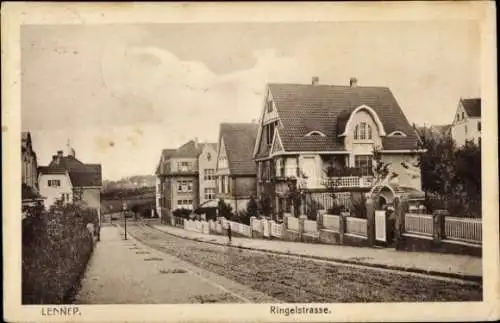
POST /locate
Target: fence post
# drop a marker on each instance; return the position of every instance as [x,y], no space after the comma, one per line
[252,219]
[342,225]
[438,229]
[400,218]
[319,221]
[370,221]
[302,218]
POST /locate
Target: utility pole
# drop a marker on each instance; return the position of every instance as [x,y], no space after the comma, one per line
[125,218]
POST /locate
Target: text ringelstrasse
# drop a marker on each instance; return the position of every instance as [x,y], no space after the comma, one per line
[297,310]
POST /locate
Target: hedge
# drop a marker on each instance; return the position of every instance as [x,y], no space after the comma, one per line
[56,248]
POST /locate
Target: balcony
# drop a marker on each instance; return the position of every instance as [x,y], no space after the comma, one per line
[343,182]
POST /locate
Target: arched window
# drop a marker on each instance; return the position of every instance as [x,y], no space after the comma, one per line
[363,131]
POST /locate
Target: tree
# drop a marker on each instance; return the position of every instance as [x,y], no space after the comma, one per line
[252,207]
[265,205]
[225,210]
[467,178]
[438,166]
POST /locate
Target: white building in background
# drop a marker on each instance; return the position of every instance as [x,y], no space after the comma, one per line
[466,124]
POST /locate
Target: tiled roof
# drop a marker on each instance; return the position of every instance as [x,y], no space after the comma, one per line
[51,170]
[81,174]
[188,150]
[239,140]
[472,107]
[326,108]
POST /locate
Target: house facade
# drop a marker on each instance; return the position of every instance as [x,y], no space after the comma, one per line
[207,162]
[180,183]
[68,179]
[466,124]
[29,172]
[323,138]
[55,184]
[236,170]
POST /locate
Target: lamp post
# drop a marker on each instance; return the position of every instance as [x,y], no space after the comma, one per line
[125,218]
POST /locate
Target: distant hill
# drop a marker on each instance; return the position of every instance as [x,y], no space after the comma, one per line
[131,182]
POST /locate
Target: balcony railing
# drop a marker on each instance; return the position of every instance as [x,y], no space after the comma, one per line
[347,181]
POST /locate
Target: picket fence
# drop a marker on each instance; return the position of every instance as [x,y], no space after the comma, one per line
[356,226]
[310,226]
[293,223]
[419,224]
[457,229]
[463,229]
[331,222]
[196,226]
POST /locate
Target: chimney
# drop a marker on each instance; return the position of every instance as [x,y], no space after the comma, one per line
[353,82]
[315,80]
[196,142]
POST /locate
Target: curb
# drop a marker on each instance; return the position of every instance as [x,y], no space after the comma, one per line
[471,278]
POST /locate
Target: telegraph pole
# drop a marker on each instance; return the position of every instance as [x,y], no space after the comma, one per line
[125,218]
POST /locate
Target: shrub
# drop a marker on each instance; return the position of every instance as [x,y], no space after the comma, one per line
[358,205]
[56,247]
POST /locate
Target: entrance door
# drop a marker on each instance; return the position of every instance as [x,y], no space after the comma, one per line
[380,226]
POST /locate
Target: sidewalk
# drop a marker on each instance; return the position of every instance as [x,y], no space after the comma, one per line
[128,272]
[456,266]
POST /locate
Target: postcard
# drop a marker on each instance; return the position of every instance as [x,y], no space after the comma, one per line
[250,162]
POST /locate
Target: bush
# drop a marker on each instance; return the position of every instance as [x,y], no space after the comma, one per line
[56,247]
[358,205]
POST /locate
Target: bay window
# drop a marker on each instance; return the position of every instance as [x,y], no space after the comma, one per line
[364,164]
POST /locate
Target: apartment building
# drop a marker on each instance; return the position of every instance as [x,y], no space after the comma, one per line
[184,175]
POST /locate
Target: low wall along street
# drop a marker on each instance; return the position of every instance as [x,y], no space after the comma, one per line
[438,232]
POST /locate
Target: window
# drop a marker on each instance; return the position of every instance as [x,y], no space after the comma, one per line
[209,156]
[479,126]
[362,131]
[223,184]
[184,166]
[465,129]
[269,106]
[209,174]
[209,193]
[364,163]
[54,183]
[185,186]
[463,116]
[270,132]
[184,202]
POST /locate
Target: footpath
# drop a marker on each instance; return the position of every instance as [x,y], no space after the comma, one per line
[129,272]
[447,265]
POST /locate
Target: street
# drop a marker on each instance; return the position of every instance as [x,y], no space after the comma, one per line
[162,268]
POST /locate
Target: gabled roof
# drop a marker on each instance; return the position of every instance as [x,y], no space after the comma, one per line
[188,150]
[165,155]
[239,141]
[472,107]
[46,170]
[81,175]
[327,108]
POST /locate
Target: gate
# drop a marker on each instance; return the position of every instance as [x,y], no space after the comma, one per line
[380,226]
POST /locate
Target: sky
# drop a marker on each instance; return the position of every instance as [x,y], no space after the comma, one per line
[122,93]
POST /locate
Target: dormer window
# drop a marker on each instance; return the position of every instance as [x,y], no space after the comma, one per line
[397,133]
[315,133]
[363,131]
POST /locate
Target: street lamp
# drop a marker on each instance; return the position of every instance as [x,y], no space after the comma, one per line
[125,218]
